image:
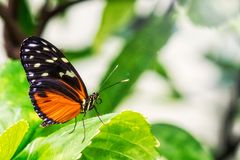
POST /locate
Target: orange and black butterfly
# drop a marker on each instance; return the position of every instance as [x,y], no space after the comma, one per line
[57,92]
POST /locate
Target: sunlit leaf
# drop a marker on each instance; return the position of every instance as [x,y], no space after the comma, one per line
[125,136]
[11,138]
[116,15]
[14,86]
[14,100]
[61,144]
[179,144]
[14,91]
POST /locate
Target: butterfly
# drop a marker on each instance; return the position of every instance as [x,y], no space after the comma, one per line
[57,91]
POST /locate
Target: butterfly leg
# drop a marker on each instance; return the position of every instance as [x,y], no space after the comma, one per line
[84,129]
[74,126]
[98,115]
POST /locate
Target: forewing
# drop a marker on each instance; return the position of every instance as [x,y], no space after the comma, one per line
[56,89]
[42,59]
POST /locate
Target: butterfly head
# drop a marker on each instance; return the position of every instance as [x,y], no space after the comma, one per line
[93,99]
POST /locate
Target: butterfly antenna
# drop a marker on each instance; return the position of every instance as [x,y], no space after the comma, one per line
[74,126]
[116,83]
[98,115]
[110,74]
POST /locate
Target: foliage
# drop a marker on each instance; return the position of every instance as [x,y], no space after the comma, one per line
[11,138]
[179,144]
[127,129]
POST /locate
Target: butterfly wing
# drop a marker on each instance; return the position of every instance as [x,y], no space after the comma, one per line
[56,89]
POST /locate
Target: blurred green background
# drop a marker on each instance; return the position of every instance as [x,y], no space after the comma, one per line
[182,59]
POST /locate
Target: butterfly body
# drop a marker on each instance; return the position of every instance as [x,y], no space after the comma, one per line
[57,92]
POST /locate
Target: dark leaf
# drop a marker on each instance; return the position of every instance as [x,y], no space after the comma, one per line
[179,144]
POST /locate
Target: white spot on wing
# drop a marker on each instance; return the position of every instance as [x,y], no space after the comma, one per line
[38,51]
[70,74]
[37,65]
[44,43]
[54,50]
[31,57]
[39,83]
[46,49]
[30,74]
[64,60]
[44,74]
[54,58]
[32,45]
[26,50]
[61,74]
[49,61]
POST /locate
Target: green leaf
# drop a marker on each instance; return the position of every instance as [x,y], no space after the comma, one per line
[211,13]
[11,138]
[14,92]
[15,103]
[14,86]
[124,136]
[14,100]
[178,144]
[25,18]
[116,15]
[61,144]
[8,116]
[137,56]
